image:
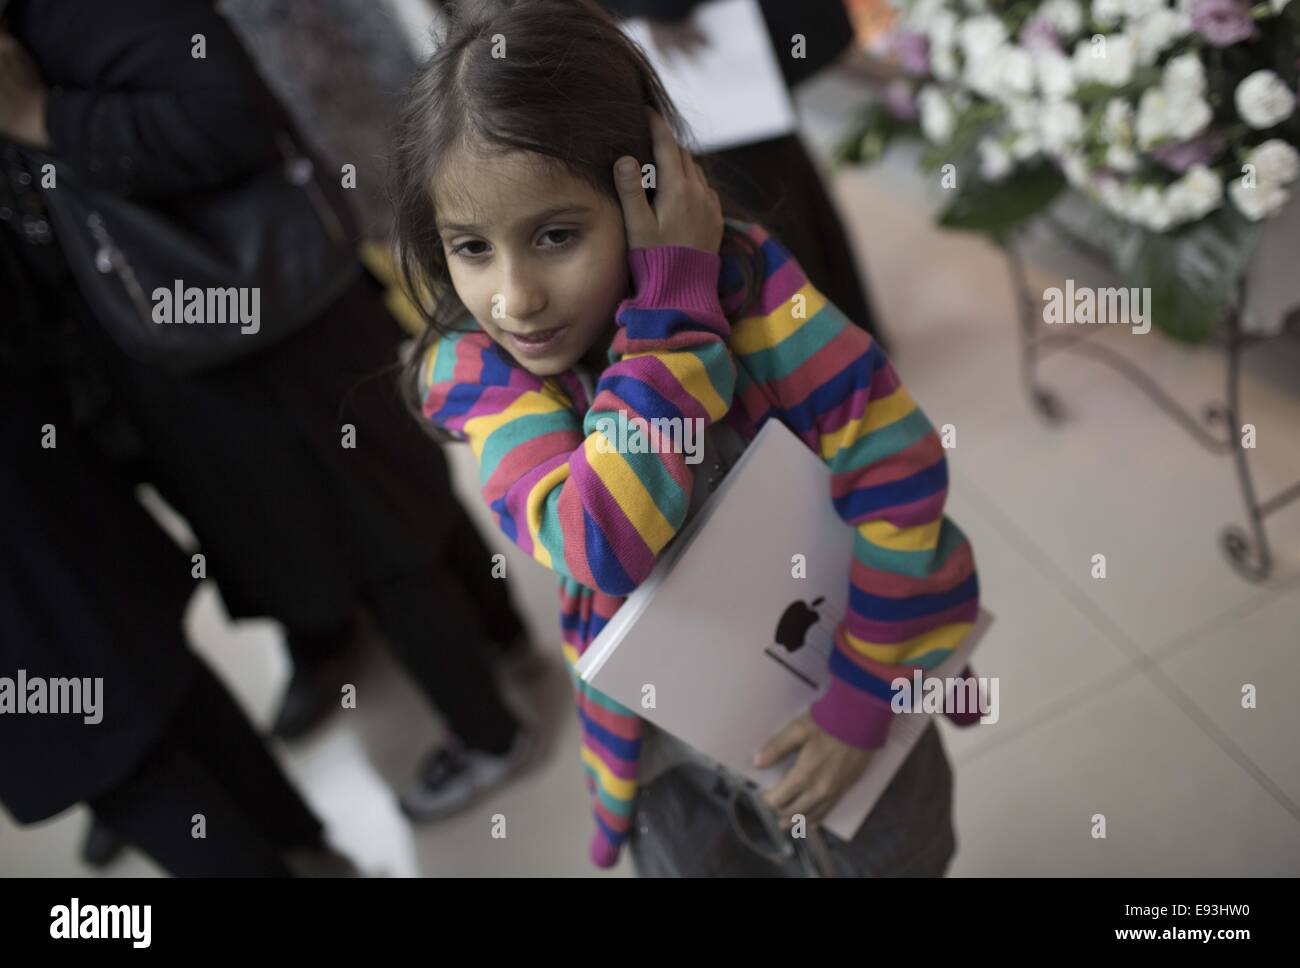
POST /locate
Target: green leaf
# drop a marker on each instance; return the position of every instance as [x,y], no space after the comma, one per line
[867,139]
[996,208]
[974,123]
[1192,272]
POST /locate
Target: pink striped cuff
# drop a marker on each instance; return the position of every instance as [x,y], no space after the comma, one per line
[851,716]
[676,276]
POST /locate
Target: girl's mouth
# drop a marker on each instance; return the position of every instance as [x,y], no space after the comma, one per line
[537,344]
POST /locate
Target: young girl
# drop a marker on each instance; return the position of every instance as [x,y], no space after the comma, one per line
[564,294]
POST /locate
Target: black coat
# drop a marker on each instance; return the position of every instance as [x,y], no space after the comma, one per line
[89,587]
[293,524]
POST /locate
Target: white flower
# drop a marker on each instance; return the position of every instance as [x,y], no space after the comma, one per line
[1263,100]
[1061,126]
[1109,63]
[1258,201]
[1136,9]
[937,118]
[980,36]
[1121,158]
[1065,15]
[1176,115]
[1275,161]
[943,63]
[1156,31]
[1149,208]
[1055,76]
[1023,114]
[923,12]
[1005,73]
[1186,72]
[941,26]
[1195,195]
[1107,12]
[1117,121]
[1112,194]
[1076,169]
[995,161]
[1190,114]
[1025,145]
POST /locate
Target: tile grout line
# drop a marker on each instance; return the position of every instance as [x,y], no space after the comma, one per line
[1121,640]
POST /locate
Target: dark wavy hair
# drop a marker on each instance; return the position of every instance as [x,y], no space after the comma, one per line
[571,87]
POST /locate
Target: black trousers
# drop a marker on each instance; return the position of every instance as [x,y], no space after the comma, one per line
[781,186]
[210,761]
[297,527]
[437,621]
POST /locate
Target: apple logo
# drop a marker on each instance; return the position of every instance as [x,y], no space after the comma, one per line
[794,623]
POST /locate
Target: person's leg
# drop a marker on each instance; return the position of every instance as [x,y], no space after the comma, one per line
[436,633]
[468,560]
[215,733]
[318,661]
[160,806]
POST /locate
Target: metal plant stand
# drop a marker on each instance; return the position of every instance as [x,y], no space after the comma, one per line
[1218,429]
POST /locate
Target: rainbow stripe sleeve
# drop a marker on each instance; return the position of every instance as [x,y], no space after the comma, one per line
[913,591]
[557,485]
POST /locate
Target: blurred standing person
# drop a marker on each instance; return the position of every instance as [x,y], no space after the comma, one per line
[92,594]
[294,524]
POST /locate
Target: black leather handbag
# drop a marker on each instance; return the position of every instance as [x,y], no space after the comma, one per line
[279,245]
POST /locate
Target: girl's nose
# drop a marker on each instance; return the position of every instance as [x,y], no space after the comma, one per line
[525,294]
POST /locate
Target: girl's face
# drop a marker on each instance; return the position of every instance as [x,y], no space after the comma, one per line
[538,256]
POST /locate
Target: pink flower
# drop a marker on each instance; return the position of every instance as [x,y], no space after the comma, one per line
[1039,34]
[899,101]
[1182,155]
[1223,22]
[913,51]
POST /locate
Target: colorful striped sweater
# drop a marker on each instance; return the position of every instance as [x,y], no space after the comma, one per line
[600,518]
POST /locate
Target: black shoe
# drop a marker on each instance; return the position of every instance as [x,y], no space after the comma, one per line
[101,846]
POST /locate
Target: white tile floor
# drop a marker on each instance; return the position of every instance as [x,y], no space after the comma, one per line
[1118,697]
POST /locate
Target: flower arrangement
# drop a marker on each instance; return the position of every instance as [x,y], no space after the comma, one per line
[1176,119]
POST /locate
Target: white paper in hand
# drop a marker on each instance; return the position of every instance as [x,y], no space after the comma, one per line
[731,92]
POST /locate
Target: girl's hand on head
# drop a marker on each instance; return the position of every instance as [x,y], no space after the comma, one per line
[687,211]
[822,772]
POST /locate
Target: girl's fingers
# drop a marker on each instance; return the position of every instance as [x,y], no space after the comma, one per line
[638,216]
[808,804]
[668,153]
[781,745]
[793,785]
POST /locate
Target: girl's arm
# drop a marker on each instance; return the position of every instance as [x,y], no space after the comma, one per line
[914,592]
[573,503]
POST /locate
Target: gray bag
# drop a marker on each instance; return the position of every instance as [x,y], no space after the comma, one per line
[699,820]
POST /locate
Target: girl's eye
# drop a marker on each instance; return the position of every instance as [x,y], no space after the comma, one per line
[464,249]
[568,236]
